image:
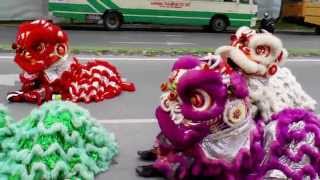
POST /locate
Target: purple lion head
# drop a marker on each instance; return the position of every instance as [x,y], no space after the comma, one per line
[198,92]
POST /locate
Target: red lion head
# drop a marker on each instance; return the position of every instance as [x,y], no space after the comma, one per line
[39,44]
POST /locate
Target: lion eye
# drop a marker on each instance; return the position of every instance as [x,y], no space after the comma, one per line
[263,50]
[200,100]
[197,100]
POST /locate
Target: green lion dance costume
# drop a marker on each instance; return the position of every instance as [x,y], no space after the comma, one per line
[58,140]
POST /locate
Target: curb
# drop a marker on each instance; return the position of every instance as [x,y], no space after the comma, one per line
[151,27]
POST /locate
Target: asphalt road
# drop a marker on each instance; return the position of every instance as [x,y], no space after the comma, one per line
[131,115]
[160,38]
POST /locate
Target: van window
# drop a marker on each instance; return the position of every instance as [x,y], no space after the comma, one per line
[244,1]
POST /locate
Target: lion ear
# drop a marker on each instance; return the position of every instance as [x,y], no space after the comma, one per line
[282,57]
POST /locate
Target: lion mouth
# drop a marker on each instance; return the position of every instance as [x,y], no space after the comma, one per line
[238,60]
[232,64]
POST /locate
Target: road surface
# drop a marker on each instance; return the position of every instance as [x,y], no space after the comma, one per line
[153,38]
[131,115]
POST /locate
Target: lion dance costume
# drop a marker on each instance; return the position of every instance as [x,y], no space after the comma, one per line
[58,140]
[235,115]
[48,71]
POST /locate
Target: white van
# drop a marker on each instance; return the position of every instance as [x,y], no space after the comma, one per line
[217,14]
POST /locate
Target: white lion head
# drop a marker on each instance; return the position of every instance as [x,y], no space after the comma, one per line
[254,53]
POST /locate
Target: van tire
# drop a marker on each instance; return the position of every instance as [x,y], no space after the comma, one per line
[317,30]
[112,21]
[219,24]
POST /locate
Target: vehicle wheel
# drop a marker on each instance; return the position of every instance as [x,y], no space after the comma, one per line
[219,24]
[112,21]
[318,30]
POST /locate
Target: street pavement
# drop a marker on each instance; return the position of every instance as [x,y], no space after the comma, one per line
[160,38]
[131,115]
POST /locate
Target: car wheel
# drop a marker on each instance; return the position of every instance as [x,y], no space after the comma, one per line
[219,24]
[112,21]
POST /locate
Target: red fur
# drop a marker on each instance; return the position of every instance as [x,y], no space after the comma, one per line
[40,45]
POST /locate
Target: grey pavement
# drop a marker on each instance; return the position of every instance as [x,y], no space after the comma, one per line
[131,138]
[147,75]
[160,38]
